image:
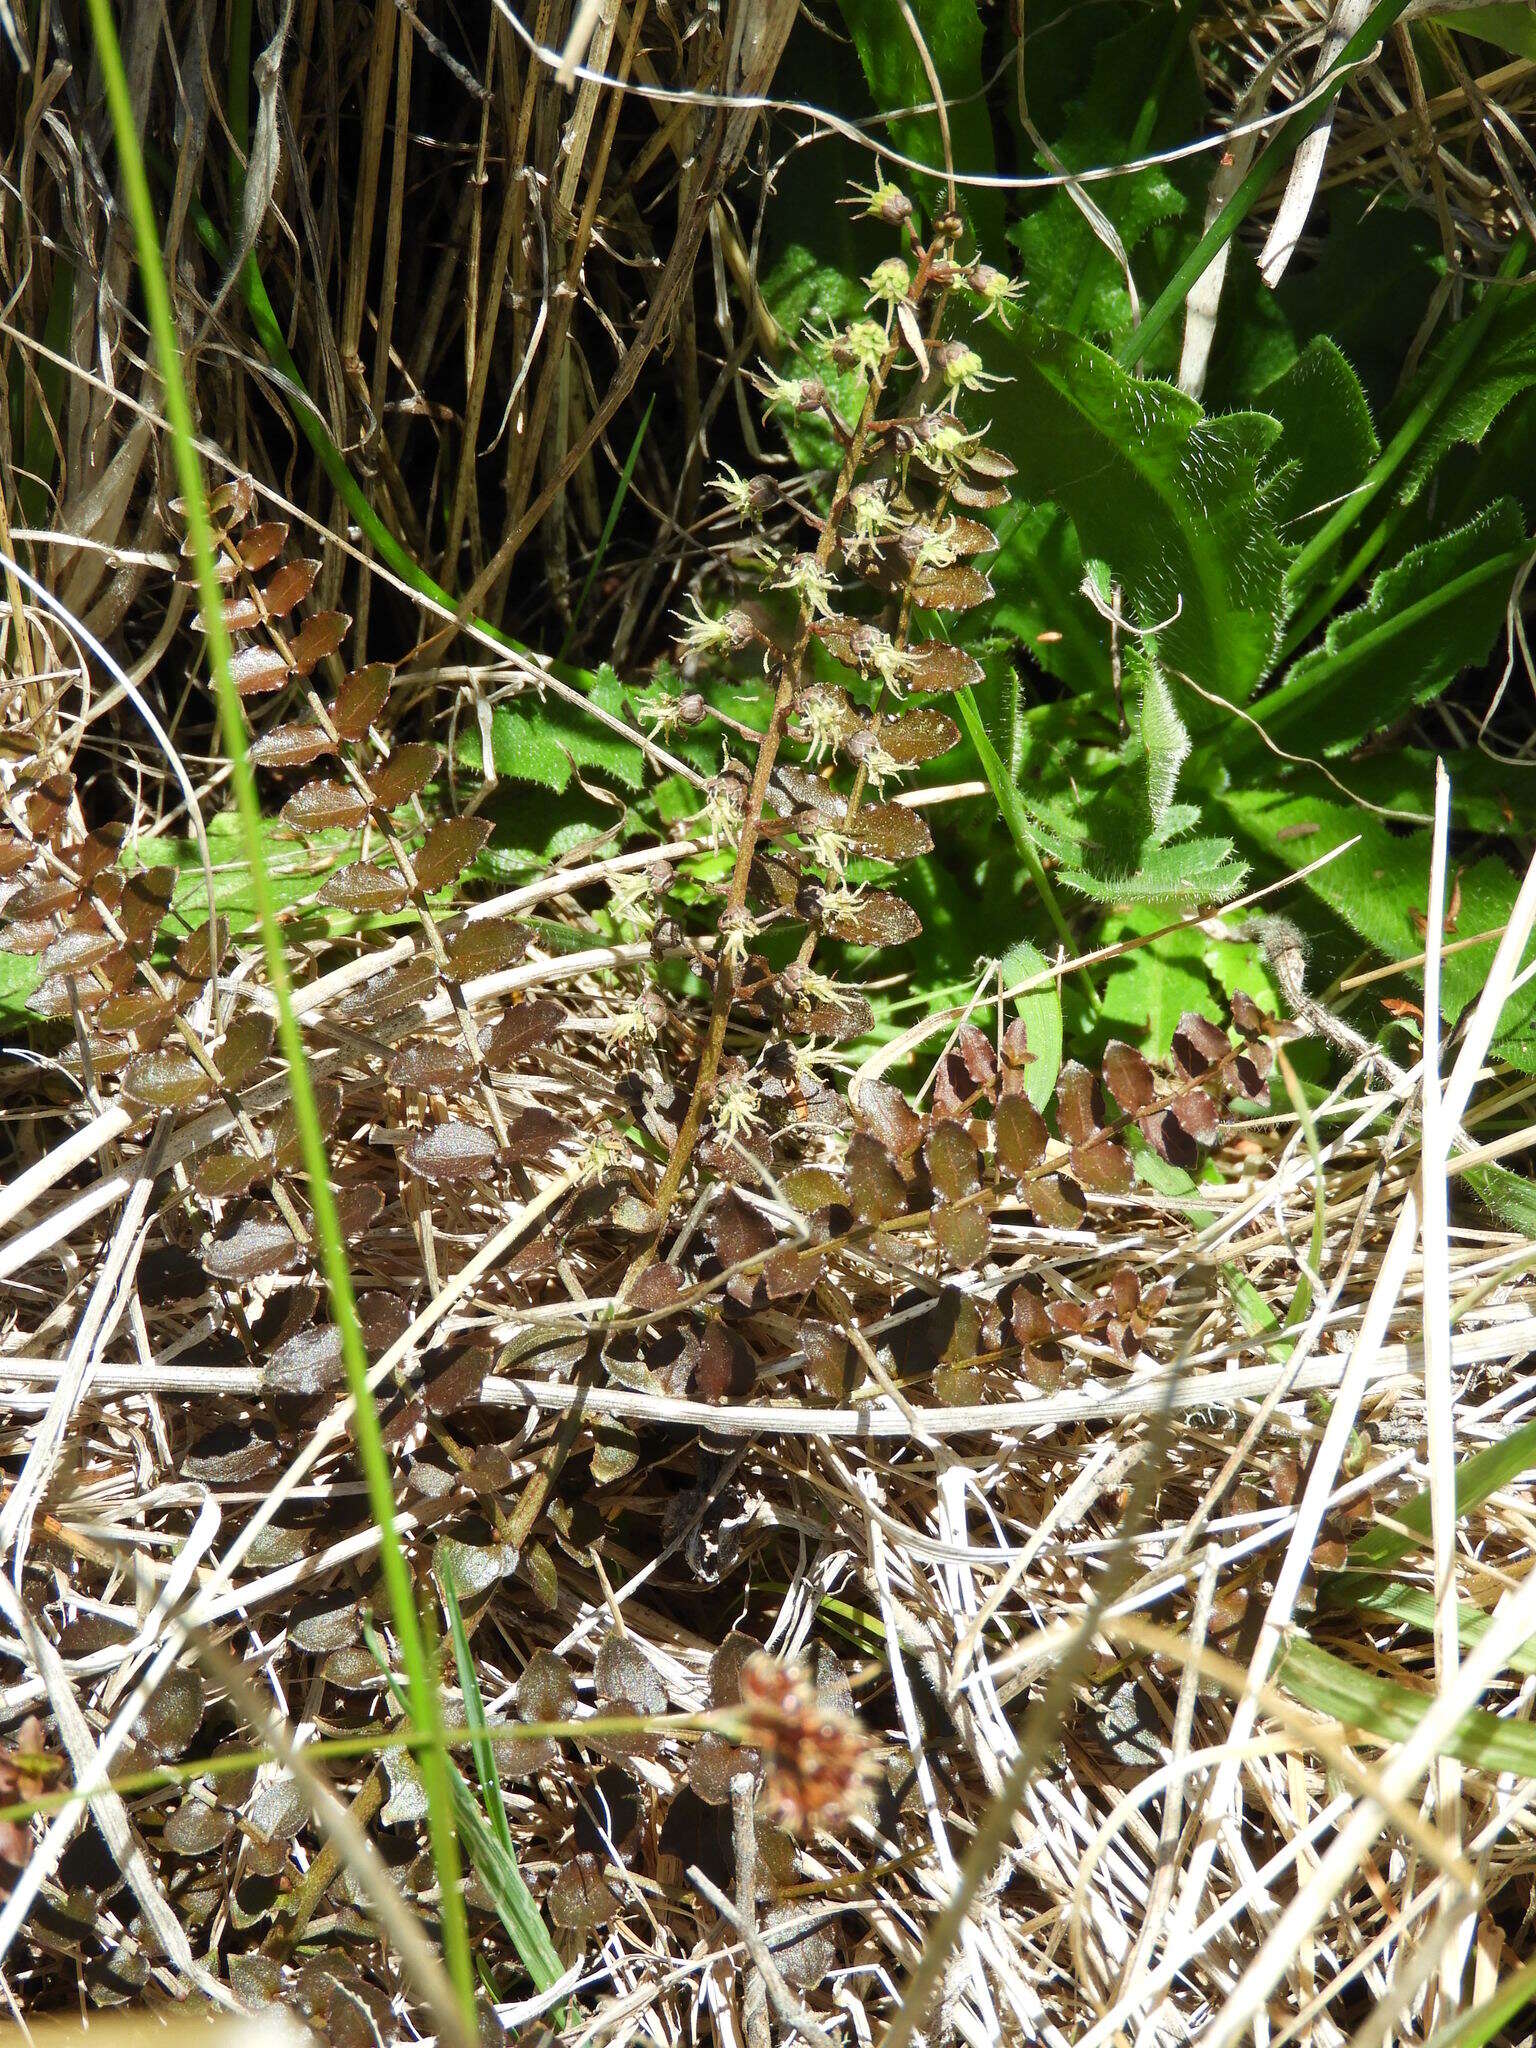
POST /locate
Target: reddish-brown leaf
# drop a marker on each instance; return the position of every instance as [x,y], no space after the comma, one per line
[954,1164]
[1169,1140]
[165,1080]
[430,1065]
[448,849]
[1104,1166]
[289,746]
[145,900]
[452,1151]
[1197,1113]
[261,1243]
[1019,1135]
[246,1044]
[361,698]
[532,1134]
[257,669]
[486,946]
[1251,1071]
[1028,1315]
[938,666]
[885,1112]
[962,1235]
[263,544]
[521,1032]
[325,806]
[1057,1202]
[1128,1077]
[321,634]
[290,586]
[1198,1044]
[889,832]
[959,588]
[362,889]
[404,773]
[874,918]
[1079,1104]
[917,736]
[875,1187]
[387,994]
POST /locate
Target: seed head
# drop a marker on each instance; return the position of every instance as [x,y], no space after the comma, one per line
[819,1761]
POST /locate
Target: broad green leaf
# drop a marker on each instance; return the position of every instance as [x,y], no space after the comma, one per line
[18,978]
[898,79]
[1041,1012]
[1170,500]
[1488,794]
[1511,1196]
[1187,872]
[1427,618]
[1147,990]
[1375,270]
[1509,23]
[1381,883]
[1037,573]
[1327,440]
[1501,369]
[548,742]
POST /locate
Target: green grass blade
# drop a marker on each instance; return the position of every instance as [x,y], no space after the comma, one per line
[1477,1477]
[1169,302]
[1001,784]
[496,1863]
[1480,2025]
[474,1714]
[1391,1712]
[375,1464]
[610,522]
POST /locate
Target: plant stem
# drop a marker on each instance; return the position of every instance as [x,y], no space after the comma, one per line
[371,1453]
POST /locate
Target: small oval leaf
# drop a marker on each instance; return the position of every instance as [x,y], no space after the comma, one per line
[363,888]
[325,806]
[448,849]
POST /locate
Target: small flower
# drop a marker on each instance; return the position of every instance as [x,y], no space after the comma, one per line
[721,815]
[889,282]
[877,763]
[701,633]
[738,1108]
[809,581]
[963,369]
[881,201]
[747,497]
[823,716]
[829,847]
[995,289]
[945,444]
[937,547]
[873,518]
[878,655]
[819,1761]
[631,903]
[738,928]
[801,394]
[861,346]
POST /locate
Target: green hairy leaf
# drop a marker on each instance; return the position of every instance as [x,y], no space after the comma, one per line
[1426,619]
[1170,500]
